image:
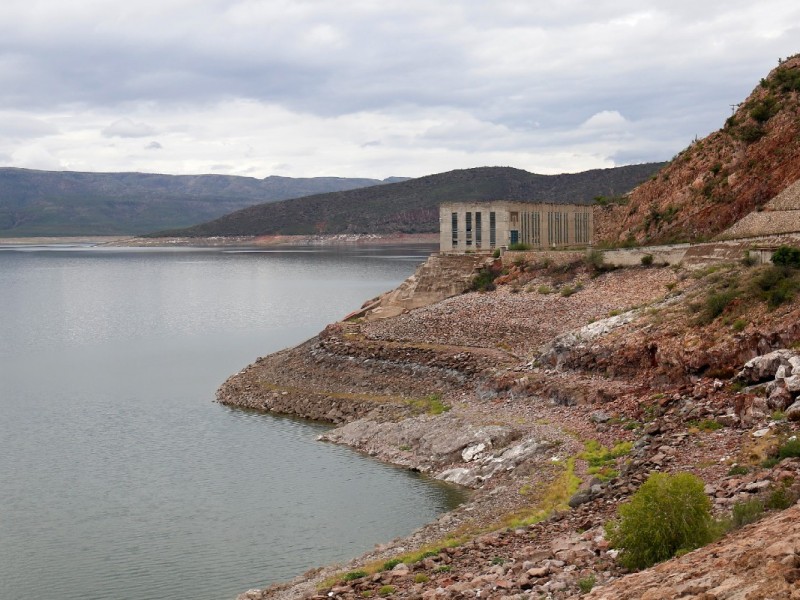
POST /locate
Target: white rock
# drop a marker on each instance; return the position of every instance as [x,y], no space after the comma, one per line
[470,453]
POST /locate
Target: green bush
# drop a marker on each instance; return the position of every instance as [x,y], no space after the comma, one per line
[519,247]
[496,253]
[387,590]
[586,584]
[391,564]
[746,512]
[776,284]
[786,256]
[666,514]
[749,133]
[780,498]
[789,449]
[484,280]
[354,575]
[715,304]
[567,291]
[647,260]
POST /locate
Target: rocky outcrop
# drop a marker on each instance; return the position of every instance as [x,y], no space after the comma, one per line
[721,178]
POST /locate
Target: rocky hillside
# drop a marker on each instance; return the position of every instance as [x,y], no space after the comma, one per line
[413,206]
[719,179]
[62,203]
[553,398]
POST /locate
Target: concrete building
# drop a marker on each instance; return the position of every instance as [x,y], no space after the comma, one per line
[484,226]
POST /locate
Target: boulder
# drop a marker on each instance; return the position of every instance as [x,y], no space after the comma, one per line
[763,368]
[793,412]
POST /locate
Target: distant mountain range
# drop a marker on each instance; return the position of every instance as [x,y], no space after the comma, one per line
[412,206]
[60,203]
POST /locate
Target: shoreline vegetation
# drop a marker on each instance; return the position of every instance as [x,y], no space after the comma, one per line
[546,399]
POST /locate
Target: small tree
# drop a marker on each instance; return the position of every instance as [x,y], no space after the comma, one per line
[667,513]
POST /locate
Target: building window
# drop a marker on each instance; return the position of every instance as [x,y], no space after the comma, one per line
[455,229]
[478,232]
[469,229]
[492,230]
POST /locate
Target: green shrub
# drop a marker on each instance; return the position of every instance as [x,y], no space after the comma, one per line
[780,498]
[567,291]
[519,247]
[776,284]
[749,133]
[765,109]
[586,584]
[391,564]
[787,256]
[738,470]
[354,575]
[387,590]
[715,304]
[443,569]
[496,253]
[498,560]
[421,578]
[666,514]
[739,325]
[647,260]
[789,449]
[706,425]
[484,280]
[746,512]
[545,289]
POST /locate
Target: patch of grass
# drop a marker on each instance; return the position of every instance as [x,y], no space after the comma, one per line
[705,425]
[779,415]
[567,291]
[776,285]
[431,405]
[498,560]
[352,575]
[421,578]
[544,289]
[496,253]
[647,260]
[443,569]
[554,497]
[386,590]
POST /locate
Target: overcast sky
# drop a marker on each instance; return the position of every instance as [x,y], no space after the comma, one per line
[374,88]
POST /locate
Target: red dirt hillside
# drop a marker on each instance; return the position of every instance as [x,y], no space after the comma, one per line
[718,180]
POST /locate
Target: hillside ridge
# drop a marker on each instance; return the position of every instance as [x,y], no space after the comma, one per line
[412,206]
[63,203]
[721,178]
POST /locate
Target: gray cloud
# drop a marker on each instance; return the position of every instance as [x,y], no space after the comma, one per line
[153,146]
[504,76]
[126,128]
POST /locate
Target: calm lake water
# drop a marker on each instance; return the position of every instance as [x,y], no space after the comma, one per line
[119,476]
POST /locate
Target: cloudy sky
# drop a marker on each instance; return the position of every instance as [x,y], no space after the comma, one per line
[374,88]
